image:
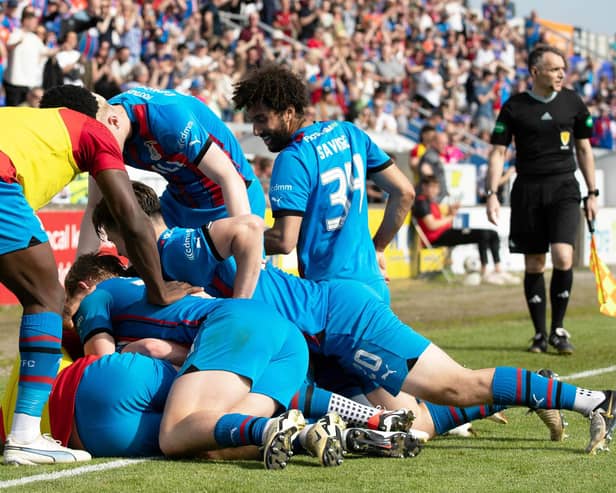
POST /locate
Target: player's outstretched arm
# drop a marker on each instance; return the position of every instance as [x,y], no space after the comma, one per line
[89,242]
[401,197]
[241,237]
[283,236]
[496,163]
[139,237]
[586,162]
[217,166]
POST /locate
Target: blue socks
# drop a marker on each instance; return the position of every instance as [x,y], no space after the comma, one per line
[519,387]
[311,400]
[40,341]
[235,430]
[446,418]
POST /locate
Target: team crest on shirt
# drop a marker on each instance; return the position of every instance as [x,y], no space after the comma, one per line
[564,140]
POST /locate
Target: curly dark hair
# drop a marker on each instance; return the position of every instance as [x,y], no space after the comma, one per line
[94,268]
[72,97]
[102,219]
[273,86]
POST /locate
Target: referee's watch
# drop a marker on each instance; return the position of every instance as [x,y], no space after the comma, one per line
[492,192]
[594,192]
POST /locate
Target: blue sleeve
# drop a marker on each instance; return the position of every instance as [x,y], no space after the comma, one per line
[376,158]
[290,184]
[190,255]
[179,131]
[94,315]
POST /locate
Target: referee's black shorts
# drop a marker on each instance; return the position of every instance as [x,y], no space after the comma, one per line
[544,210]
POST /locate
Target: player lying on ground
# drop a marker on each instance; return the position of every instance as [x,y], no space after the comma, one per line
[322,312]
[236,371]
[112,310]
[308,303]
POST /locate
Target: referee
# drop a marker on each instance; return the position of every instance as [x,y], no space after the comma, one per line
[547,123]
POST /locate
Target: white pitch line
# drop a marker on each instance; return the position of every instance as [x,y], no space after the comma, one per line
[70,472]
[590,373]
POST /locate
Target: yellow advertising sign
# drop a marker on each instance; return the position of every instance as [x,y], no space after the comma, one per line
[397,254]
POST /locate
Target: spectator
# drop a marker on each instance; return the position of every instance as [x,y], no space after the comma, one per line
[439,230]
[286,19]
[602,131]
[484,92]
[121,66]
[389,69]
[70,60]
[426,134]
[26,58]
[431,163]
[430,85]
[532,31]
[384,121]
[33,98]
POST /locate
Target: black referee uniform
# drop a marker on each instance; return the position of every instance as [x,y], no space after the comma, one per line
[545,198]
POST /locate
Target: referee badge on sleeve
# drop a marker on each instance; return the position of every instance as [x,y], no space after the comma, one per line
[564,140]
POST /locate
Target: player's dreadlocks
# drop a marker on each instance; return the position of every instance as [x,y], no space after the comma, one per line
[272,86]
[102,219]
[72,97]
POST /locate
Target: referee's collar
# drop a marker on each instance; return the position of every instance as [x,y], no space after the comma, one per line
[540,99]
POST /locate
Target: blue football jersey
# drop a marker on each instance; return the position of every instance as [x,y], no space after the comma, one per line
[188,255]
[170,134]
[321,176]
[301,301]
[119,307]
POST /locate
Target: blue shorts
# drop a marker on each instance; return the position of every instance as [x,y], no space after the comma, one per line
[119,405]
[367,339]
[252,340]
[19,225]
[180,215]
[380,290]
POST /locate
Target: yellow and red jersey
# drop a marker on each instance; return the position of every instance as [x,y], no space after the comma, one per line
[44,149]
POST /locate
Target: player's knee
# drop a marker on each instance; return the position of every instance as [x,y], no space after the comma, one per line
[253,223]
[168,446]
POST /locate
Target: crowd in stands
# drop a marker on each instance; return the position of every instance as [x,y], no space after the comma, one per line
[386,65]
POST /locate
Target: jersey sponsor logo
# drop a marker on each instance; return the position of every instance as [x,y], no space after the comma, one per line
[188,249]
[565,137]
[499,128]
[546,116]
[167,167]
[140,94]
[147,95]
[323,131]
[185,133]
[281,188]
[332,147]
